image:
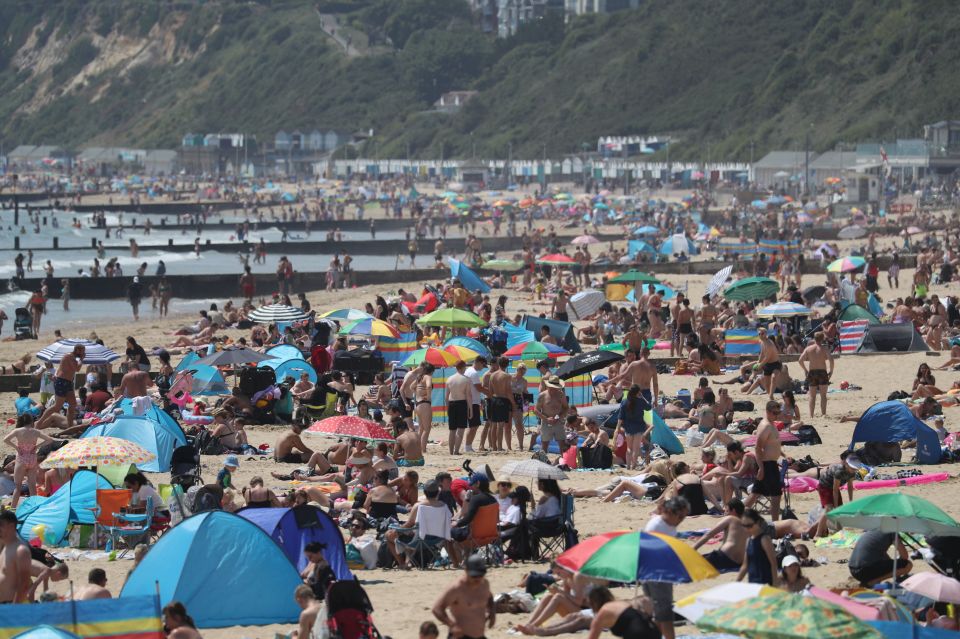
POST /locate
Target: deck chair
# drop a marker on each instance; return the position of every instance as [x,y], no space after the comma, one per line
[484,535]
[109,503]
[433,531]
[309,412]
[763,503]
[549,536]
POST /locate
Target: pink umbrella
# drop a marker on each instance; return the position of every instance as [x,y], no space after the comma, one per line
[933,585]
[584,239]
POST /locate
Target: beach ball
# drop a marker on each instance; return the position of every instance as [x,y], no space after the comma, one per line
[844,385]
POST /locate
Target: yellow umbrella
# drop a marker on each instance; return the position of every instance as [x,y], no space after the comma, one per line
[98,451]
[462,352]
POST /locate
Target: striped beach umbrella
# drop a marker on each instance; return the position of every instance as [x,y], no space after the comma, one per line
[430,355]
[631,557]
[847,264]
[784,309]
[277,314]
[95,353]
[468,342]
[462,352]
[345,314]
[370,326]
[534,351]
[718,280]
[751,288]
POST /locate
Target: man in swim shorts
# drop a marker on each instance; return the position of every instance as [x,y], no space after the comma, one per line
[63,386]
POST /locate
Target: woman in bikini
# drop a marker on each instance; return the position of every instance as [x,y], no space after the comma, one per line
[257,496]
[28,438]
[422,404]
[19,367]
[518,386]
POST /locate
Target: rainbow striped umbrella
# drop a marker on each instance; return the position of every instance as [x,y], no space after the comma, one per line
[534,351]
[638,556]
[847,264]
[345,314]
[370,326]
[468,342]
[435,356]
[462,352]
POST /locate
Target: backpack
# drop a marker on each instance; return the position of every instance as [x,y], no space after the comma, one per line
[808,435]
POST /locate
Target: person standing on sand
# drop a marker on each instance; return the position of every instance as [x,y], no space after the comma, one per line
[768,453]
[134,296]
[65,293]
[15,561]
[769,361]
[466,607]
[63,386]
[816,361]
[27,438]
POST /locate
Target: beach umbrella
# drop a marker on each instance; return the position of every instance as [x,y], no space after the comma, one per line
[812,293]
[587,363]
[370,326]
[784,309]
[462,352]
[277,314]
[697,605]
[98,451]
[452,318]
[646,230]
[718,280]
[95,353]
[585,303]
[234,357]
[502,265]
[430,355]
[462,341]
[581,240]
[634,276]
[913,230]
[533,468]
[534,351]
[555,259]
[350,426]
[896,513]
[345,314]
[636,557]
[933,585]
[852,232]
[847,264]
[751,288]
[786,616]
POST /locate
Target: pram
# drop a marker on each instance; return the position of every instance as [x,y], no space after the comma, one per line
[349,612]
[23,324]
[185,465]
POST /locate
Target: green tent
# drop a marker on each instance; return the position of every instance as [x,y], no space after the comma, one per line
[855,312]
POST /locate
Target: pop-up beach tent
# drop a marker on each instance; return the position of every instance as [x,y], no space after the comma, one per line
[150,435]
[294,528]
[892,421]
[72,503]
[224,569]
[884,338]
[561,331]
[292,367]
[470,280]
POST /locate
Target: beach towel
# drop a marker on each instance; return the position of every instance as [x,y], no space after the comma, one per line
[840,539]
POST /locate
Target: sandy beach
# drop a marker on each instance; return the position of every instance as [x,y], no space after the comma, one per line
[403,599]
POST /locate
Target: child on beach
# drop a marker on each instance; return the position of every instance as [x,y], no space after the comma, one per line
[27,438]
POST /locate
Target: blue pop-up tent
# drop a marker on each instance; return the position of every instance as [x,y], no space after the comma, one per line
[154,413]
[470,280]
[285,351]
[892,421]
[294,528]
[224,569]
[72,503]
[292,367]
[146,433]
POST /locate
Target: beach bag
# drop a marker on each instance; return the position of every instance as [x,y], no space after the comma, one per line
[743,406]
[694,436]
[808,436]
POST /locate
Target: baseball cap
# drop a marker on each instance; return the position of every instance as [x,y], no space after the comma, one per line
[478,477]
[789,560]
[476,566]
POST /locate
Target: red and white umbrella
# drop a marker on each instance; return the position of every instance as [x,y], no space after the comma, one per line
[350,426]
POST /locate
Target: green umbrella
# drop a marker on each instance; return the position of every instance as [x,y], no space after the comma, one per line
[634,276]
[751,288]
[896,513]
[452,318]
[787,616]
[502,265]
[616,347]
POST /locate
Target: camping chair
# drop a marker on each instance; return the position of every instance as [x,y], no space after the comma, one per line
[549,536]
[131,525]
[109,503]
[161,523]
[433,531]
[763,502]
[484,534]
[310,412]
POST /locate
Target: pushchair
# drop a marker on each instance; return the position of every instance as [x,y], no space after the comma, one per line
[23,324]
[185,465]
[349,612]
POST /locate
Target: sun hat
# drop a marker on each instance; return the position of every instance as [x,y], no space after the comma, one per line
[790,560]
[231,462]
[552,381]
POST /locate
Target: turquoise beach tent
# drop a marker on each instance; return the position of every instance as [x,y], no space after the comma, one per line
[662,436]
[285,351]
[470,280]
[207,380]
[154,413]
[150,435]
[72,503]
[292,367]
[213,553]
[46,632]
[188,359]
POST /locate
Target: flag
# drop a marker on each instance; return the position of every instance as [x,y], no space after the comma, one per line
[885,159]
[852,333]
[741,341]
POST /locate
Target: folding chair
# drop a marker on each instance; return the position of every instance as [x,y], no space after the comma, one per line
[484,535]
[309,412]
[127,525]
[550,536]
[763,503]
[109,503]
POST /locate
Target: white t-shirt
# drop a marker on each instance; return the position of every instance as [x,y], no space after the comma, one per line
[505,503]
[511,516]
[145,493]
[475,378]
[658,525]
[549,508]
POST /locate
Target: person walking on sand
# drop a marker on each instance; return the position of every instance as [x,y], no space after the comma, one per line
[816,361]
[466,607]
[769,361]
[63,386]
[27,438]
[768,452]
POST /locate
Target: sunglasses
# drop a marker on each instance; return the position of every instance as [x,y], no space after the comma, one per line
[748,524]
